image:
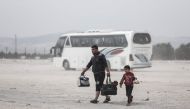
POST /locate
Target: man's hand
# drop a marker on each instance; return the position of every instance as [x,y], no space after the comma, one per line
[120,85]
[84,70]
[82,74]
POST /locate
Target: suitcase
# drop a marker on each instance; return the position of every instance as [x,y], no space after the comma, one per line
[109,88]
[83,81]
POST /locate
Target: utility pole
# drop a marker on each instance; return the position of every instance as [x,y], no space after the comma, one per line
[6,52]
[44,51]
[15,46]
[35,52]
[25,51]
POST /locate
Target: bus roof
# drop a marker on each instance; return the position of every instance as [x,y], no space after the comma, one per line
[98,33]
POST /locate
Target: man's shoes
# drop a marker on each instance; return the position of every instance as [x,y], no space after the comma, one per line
[94,101]
[107,100]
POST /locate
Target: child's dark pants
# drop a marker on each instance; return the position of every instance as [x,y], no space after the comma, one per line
[129,90]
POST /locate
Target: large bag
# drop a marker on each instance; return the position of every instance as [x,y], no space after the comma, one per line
[109,88]
[83,81]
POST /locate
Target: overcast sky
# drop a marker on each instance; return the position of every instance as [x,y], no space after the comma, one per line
[39,17]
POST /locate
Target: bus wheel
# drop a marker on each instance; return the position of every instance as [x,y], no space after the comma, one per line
[66,65]
[109,66]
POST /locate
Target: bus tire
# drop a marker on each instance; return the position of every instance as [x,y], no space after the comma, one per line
[66,65]
[109,65]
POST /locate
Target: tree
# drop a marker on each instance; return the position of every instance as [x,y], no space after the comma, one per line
[163,51]
[183,52]
[2,54]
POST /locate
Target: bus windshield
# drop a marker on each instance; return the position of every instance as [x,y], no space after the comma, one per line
[59,46]
[141,38]
[60,43]
[100,40]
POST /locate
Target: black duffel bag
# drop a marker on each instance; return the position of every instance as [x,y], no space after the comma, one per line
[109,88]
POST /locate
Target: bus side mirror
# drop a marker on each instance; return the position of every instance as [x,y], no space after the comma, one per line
[52,50]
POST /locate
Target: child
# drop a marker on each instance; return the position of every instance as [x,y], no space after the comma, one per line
[128,79]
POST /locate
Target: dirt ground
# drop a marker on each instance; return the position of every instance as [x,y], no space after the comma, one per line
[37,84]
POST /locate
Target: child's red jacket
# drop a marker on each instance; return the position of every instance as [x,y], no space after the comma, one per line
[128,79]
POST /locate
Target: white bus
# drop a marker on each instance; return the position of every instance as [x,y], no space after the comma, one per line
[72,51]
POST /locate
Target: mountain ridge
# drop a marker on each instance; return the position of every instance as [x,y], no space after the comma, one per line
[39,43]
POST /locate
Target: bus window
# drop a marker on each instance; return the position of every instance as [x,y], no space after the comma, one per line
[85,41]
[80,41]
[75,42]
[120,41]
[115,41]
[109,41]
[142,38]
[100,40]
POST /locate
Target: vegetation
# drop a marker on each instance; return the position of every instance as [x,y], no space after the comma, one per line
[161,51]
[165,51]
[10,55]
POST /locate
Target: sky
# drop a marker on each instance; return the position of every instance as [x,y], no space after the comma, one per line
[39,17]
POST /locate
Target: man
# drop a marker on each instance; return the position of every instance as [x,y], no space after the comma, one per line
[99,64]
